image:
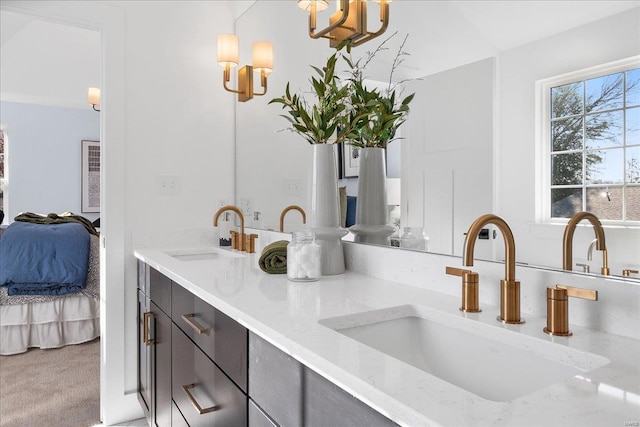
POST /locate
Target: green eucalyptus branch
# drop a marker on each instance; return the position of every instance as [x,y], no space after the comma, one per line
[324,121]
[375,116]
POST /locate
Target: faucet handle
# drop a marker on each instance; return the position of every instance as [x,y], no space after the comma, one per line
[588,294]
[250,244]
[470,293]
[585,267]
[235,244]
[558,307]
[628,272]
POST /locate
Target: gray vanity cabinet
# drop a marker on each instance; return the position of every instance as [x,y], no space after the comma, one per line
[293,395]
[154,345]
[199,367]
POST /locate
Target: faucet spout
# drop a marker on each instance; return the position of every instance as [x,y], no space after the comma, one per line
[289,208]
[590,250]
[238,212]
[509,242]
[567,241]
[509,287]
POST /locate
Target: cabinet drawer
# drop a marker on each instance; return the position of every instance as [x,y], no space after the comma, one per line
[276,382]
[196,381]
[177,420]
[160,290]
[294,395]
[257,418]
[221,338]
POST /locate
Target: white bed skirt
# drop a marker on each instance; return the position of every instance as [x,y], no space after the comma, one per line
[50,324]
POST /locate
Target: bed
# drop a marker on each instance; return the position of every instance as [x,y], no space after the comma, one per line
[61,316]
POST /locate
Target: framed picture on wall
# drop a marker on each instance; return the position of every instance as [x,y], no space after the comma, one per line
[90,176]
[350,161]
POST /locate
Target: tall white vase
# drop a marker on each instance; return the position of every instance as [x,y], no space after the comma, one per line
[325,208]
[372,212]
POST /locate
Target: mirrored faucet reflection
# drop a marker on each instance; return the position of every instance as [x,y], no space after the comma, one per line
[238,241]
[567,241]
[509,286]
[289,208]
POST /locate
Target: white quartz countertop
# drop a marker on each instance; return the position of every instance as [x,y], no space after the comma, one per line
[287,314]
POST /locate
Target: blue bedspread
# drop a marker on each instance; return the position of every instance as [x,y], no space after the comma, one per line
[37,259]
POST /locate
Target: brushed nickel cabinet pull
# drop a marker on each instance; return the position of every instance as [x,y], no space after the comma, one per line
[145,328]
[195,403]
[189,318]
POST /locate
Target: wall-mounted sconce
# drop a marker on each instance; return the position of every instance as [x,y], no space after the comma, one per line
[348,22]
[262,63]
[93,97]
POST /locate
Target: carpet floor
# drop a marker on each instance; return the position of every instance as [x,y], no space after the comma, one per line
[54,387]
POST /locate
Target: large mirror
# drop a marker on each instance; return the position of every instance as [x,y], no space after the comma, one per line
[471,145]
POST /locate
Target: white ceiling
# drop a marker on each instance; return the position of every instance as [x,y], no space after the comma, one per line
[54,63]
[47,63]
[446,34]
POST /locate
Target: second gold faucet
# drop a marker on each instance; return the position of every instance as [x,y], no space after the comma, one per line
[240,241]
[567,241]
[289,208]
[509,286]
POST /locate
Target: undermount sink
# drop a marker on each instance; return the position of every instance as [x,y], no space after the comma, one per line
[203,254]
[488,361]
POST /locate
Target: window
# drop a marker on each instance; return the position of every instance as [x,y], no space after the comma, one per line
[592,135]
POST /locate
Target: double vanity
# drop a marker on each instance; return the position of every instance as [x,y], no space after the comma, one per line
[382,344]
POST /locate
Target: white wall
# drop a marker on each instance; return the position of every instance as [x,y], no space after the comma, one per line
[179,122]
[45,157]
[267,155]
[447,158]
[164,111]
[603,41]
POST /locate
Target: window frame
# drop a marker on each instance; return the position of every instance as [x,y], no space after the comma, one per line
[543,134]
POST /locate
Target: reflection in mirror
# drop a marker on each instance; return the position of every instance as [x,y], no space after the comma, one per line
[473,143]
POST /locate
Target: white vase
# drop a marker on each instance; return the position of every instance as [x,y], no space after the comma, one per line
[372,211]
[325,208]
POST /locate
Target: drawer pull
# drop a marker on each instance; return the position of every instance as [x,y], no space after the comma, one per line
[195,404]
[195,325]
[145,328]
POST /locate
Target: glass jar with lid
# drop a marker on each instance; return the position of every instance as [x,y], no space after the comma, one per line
[414,238]
[303,257]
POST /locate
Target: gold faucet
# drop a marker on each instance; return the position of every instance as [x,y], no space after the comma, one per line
[289,208]
[239,241]
[509,287]
[567,242]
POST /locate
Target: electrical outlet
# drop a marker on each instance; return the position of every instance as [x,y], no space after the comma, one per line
[168,184]
[246,206]
[292,186]
[220,203]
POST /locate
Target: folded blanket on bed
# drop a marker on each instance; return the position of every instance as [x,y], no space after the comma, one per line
[53,218]
[38,259]
[273,259]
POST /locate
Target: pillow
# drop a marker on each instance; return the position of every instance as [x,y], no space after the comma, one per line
[343,205]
